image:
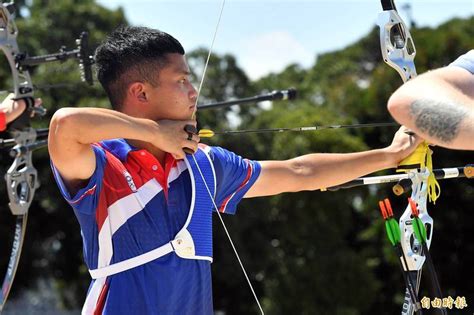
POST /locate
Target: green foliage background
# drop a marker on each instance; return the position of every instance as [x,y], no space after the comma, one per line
[307,253]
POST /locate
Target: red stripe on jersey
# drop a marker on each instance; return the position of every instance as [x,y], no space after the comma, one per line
[85,194]
[114,183]
[99,307]
[244,182]
[101,212]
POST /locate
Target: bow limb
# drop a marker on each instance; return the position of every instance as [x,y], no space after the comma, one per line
[396,43]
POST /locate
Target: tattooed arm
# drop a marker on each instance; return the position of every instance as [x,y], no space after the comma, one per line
[439,106]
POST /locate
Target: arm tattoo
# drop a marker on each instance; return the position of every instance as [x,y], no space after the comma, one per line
[438,118]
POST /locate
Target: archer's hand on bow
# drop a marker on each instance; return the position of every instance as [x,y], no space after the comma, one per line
[403,144]
[14,108]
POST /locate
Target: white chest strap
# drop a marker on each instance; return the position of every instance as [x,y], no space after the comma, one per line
[182,245]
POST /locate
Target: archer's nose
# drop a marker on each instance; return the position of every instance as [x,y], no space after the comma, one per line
[192,93]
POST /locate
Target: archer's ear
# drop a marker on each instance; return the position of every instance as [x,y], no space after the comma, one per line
[137,91]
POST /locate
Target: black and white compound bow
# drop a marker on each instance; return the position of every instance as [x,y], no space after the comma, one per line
[22,178]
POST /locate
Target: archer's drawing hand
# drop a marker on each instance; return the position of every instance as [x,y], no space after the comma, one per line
[172,137]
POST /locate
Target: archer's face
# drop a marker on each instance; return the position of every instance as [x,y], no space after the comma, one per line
[174,97]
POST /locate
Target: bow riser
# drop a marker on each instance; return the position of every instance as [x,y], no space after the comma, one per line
[411,246]
[22,177]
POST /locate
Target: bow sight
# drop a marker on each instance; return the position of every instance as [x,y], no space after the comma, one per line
[81,53]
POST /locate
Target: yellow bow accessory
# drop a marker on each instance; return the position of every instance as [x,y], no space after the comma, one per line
[421,158]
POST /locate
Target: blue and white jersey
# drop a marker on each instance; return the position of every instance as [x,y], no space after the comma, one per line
[465,61]
[115,227]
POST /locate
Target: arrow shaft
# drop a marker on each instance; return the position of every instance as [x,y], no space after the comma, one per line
[307,128]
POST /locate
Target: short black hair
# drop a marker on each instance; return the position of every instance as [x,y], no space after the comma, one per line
[131,54]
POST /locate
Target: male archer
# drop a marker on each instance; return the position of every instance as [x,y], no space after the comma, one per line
[140,201]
